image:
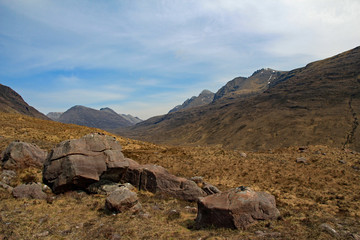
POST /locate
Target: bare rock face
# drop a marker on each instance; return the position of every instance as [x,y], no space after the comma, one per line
[157,179]
[75,164]
[31,191]
[20,155]
[122,200]
[237,208]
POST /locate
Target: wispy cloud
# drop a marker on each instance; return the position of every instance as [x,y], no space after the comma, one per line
[155,46]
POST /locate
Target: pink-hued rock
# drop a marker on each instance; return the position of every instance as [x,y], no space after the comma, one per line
[75,164]
[19,155]
[237,208]
[157,179]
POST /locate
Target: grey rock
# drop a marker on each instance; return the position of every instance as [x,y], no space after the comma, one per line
[330,230]
[122,200]
[7,176]
[31,191]
[173,214]
[210,189]
[301,160]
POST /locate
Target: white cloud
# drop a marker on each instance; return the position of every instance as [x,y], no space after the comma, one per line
[157,44]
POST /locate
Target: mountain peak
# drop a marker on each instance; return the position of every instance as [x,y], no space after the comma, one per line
[12,102]
[205,97]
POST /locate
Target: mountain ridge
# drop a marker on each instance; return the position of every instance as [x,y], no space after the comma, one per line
[12,102]
[85,116]
[205,97]
[315,104]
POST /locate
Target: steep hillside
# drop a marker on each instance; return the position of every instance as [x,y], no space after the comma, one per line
[316,104]
[104,119]
[258,82]
[12,102]
[204,98]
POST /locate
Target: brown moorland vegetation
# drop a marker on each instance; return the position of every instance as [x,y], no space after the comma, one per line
[316,104]
[324,190]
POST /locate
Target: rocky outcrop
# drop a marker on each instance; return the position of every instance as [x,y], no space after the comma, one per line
[122,200]
[31,191]
[21,155]
[157,179]
[75,164]
[237,208]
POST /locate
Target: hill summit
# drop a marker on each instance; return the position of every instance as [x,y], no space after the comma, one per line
[12,102]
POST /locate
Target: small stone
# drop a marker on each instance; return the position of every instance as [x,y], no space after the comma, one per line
[198,180]
[144,215]
[301,160]
[327,228]
[243,155]
[210,189]
[173,214]
[190,209]
[342,161]
[43,234]
[122,200]
[115,236]
[32,191]
[355,236]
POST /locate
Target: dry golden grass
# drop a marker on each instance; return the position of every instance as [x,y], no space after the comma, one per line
[323,191]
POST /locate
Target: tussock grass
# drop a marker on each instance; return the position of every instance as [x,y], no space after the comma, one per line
[322,191]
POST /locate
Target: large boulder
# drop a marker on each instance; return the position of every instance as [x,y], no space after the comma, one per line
[31,191]
[157,179]
[122,200]
[19,155]
[75,164]
[237,208]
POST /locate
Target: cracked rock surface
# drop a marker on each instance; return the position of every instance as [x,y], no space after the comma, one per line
[237,208]
[75,164]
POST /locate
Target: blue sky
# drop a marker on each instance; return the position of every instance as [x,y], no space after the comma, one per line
[143,57]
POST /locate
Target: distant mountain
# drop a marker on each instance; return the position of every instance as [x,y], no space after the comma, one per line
[54,115]
[205,97]
[315,104]
[105,118]
[133,120]
[12,102]
[258,82]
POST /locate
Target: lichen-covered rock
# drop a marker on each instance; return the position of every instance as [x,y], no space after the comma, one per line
[237,208]
[75,164]
[19,155]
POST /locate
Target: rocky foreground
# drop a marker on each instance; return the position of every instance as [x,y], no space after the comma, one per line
[315,188]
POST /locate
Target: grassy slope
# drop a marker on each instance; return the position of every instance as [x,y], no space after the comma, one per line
[324,191]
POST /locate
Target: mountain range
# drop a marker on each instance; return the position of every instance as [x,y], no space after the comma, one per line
[315,104]
[105,118]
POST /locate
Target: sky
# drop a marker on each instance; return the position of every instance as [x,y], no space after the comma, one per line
[144,57]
